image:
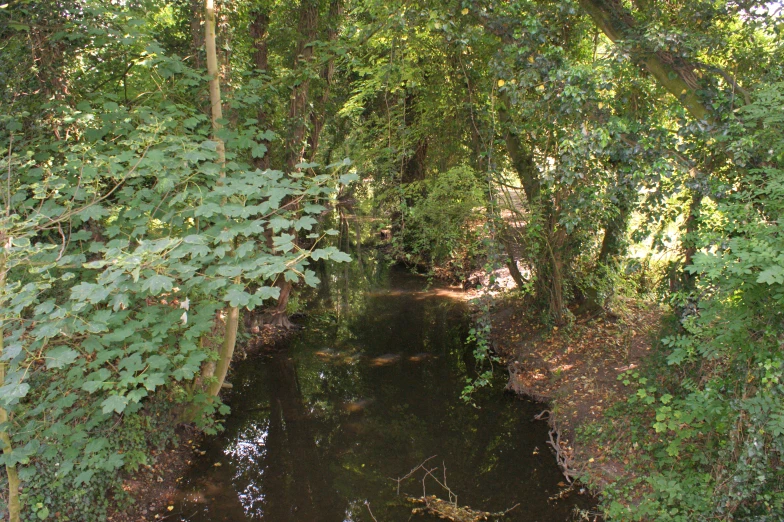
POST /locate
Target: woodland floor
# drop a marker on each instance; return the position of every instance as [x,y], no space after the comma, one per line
[575,372]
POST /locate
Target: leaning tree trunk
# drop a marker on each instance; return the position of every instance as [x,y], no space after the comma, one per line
[613,244]
[689,242]
[673,73]
[219,369]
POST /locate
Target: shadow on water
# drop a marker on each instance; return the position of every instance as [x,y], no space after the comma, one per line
[367,391]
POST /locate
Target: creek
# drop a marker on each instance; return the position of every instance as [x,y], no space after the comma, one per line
[369,389]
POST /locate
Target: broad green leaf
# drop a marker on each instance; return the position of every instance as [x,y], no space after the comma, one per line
[772,276]
[60,356]
[158,283]
[114,403]
[237,296]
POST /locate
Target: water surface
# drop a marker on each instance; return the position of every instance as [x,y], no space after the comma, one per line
[365,393]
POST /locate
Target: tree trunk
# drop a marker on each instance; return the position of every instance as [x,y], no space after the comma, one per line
[614,231]
[520,154]
[318,116]
[220,369]
[297,142]
[613,244]
[298,104]
[259,32]
[197,36]
[548,252]
[14,504]
[511,262]
[689,243]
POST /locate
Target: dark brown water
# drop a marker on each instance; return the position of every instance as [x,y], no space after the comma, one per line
[368,391]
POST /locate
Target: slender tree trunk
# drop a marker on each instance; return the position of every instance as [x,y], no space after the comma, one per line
[318,116]
[549,249]
[298,104]
[614,231]
[415,166]
[507,241]
[689,243]
[14,505]
[521,155]
[221,368]
[613,244]
[197,36]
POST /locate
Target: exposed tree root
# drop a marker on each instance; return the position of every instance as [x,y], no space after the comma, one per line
[279,319]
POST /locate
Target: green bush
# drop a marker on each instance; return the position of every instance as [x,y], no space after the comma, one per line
[444,221]
[711,427]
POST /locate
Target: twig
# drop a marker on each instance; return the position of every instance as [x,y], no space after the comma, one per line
[8,181]
[408,475]
[367,505]
[541,416]
[449,491]
[65,242]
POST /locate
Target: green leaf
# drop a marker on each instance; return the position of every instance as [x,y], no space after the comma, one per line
[772,276]
[116,403]
[345,179]
[306,165]
[258,151]
[89,292]
[268,292]
[94,211]
[305,222]
[134,396]
[237,296]
[60,356]
[84,477]
[13,391]
[340,257]
[158,283]
[154,380]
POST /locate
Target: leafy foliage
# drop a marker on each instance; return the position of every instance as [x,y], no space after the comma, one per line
[123,236]
[443,221]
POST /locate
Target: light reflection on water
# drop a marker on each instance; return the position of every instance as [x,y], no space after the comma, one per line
[365,393]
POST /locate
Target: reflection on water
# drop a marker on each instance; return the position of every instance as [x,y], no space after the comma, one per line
[369,390]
